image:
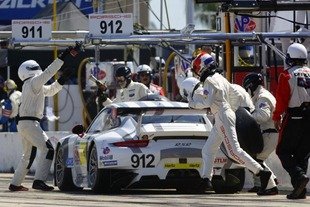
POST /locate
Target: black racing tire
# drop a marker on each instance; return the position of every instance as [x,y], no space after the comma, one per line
[99,179]
[233,183]
[62,174]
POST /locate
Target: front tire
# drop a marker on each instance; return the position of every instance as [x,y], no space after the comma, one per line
[62,174]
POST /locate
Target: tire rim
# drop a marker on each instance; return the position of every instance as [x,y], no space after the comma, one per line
[93,166]
[60,167]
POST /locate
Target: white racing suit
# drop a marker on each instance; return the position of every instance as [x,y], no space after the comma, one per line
[133,92]
[265,103]
[32,105]
[219,95]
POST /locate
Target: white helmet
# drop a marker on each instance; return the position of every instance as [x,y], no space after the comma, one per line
[296,54]
[29,69]
[144,68]
[297,51]
[187,86]
[160,61]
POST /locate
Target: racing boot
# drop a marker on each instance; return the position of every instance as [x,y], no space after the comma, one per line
[301,196]
[297,193]
[17,188]
[255,189]
[271,191]
[40,185]
[264,176]
[206,183]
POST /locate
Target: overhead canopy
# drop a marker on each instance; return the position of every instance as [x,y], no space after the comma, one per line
[69,17]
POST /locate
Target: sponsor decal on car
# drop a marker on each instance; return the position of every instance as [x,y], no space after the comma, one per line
[106,157]
[194,165]
[220,160]
[109,163]
[106,150]
[182,144]
[69,162]
[82,153]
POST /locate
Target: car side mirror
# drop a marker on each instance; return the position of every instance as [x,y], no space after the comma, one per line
[78,129]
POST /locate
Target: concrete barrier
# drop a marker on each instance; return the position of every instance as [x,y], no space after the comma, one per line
[11,151]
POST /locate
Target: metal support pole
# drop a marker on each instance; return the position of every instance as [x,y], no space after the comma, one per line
[228,49]
[55,97]
[136,19]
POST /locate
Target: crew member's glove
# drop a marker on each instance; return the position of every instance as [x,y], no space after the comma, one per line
[66,74]
[73,51]
[102,96]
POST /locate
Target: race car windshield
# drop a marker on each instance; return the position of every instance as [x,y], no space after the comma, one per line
[173,119]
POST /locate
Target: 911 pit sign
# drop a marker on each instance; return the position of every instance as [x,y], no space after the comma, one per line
[104,25]
[31,30]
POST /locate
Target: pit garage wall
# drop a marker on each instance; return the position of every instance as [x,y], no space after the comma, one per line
[11,151]
[70,108]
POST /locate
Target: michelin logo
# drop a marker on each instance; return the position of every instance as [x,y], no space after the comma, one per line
[109,163]
[26,4]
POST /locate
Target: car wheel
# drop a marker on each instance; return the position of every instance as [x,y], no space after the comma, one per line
[233,183]
[62,174]
[99,179]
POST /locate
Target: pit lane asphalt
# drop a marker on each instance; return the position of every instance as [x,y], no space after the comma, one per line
[145,198]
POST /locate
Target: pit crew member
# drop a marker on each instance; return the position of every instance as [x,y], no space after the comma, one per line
[129,90]
[216,96]
[292,118]
[10,106]
[34,91]
[145,76]
[264,106]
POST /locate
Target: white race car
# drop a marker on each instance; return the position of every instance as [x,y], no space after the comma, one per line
[143,144]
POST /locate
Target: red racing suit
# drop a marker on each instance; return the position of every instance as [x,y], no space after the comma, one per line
[156,89]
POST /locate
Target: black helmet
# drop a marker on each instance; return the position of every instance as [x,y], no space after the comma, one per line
[252,81]
[123,71]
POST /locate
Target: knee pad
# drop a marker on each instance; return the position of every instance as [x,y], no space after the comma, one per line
[32,156]
[50,152]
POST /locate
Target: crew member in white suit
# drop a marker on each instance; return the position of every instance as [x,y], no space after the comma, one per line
[216,95]
[31,108]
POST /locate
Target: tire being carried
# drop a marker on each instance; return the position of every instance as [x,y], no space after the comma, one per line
[248,132]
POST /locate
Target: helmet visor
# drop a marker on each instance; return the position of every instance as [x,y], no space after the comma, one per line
[33,68]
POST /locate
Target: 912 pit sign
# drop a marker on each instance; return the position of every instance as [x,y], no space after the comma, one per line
[31,30]
[106,25]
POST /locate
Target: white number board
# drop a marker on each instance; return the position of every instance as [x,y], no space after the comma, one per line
[101,25]
[31,30]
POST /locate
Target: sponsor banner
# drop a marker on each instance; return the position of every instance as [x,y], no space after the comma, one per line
[27,9]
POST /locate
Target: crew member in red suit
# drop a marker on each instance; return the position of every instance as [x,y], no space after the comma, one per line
[292,118]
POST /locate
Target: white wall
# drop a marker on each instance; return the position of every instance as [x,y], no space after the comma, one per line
[11,149]
[70,108]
